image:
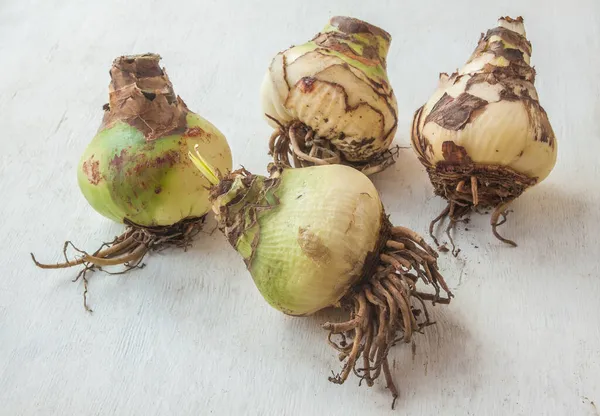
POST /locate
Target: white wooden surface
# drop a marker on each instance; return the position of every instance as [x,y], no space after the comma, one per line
[190,334]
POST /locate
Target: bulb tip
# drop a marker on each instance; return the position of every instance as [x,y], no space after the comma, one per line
[351,25]
[141,66]
[515,24]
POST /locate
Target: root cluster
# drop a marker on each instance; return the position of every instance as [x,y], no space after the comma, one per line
[128,249]
[474,187]
[387,308]
[299,142]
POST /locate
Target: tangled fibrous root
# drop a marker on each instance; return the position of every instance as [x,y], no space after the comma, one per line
[299,142]
[387,308]
[472,188]
[128,249]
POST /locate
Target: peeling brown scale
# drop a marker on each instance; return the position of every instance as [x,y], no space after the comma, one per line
[510,37]
[511,55]
[517,69]
[544,133]
[454,113]
[483,77]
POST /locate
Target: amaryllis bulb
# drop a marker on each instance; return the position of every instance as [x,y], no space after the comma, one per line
[136,169]
[330,100]
[317,237]
[303,261]
[483,136]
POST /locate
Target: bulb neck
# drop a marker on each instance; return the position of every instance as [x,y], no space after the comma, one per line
[504,50]
[141,94]
[238,201]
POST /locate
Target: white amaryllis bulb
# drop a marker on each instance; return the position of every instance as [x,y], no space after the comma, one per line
[330,100]
[483,136]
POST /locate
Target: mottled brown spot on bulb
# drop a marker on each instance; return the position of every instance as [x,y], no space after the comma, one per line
[168,159]
[312,246]
[118,160]
[307,84]
[193,132]
[91,168]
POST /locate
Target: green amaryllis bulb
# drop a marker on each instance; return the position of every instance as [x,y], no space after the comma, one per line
[136,170]
[330,99]
[483,135]
[317,237]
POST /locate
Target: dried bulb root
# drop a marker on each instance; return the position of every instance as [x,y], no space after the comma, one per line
[299,142]
[468,188]
[387,308]
[128,249]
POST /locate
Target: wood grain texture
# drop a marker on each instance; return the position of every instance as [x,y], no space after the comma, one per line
[190,334]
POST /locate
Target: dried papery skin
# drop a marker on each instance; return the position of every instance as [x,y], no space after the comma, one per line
[334,89]
[483,136]
[141,95]
[310,243]
[136,169]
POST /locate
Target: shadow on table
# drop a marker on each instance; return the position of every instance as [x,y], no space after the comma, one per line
[547,211]
[443,355]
